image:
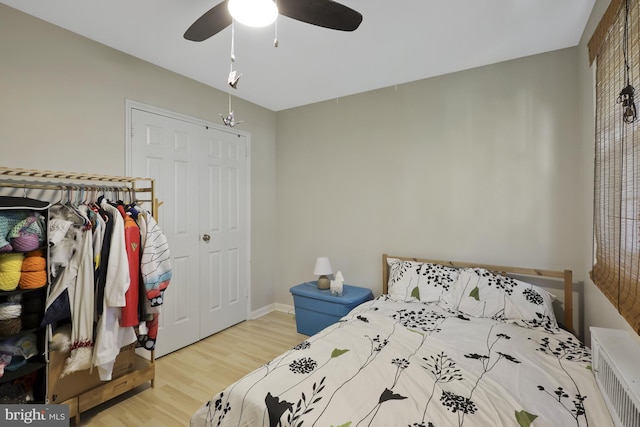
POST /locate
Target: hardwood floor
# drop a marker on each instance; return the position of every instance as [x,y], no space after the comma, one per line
[189,377]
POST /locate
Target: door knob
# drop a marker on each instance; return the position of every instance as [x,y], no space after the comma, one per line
[206,237]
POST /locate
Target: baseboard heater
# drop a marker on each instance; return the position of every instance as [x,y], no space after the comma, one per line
[615,357]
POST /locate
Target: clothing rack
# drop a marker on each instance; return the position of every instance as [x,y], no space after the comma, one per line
[53,184]
[141,189]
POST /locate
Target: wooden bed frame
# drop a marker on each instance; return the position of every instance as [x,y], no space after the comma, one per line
[566,275]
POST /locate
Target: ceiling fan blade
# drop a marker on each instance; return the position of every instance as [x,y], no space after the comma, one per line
[209,24]
[323,13]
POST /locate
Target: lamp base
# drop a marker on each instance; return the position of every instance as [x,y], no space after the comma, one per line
[323,282]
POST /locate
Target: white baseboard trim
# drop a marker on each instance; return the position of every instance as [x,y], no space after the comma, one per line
[284,308]
[262,311]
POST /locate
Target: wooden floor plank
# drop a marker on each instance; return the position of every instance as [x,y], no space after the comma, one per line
[187,378]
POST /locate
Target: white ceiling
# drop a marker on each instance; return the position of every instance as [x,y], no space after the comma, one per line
[398,41]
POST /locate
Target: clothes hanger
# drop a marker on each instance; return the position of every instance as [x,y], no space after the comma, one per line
[59,202]
[68,205]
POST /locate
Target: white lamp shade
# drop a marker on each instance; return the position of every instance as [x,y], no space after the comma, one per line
[254,13]
[323,267]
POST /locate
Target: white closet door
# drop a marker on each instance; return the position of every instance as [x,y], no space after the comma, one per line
[223,183]
[194,167]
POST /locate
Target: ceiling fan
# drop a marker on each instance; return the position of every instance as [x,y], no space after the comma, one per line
[323,13]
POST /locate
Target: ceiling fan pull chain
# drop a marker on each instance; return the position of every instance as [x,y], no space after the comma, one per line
[233,76]
[275,40]
[233,38]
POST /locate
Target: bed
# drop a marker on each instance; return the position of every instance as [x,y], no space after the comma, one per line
[446,344]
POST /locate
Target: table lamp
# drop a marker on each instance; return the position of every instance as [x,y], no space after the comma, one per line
[322,269]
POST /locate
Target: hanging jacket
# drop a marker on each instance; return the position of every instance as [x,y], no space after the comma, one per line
[72,288]
[155,264]
[155,267]
[132,241]
[110,337]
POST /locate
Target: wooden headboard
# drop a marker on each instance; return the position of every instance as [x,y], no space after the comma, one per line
[565,275]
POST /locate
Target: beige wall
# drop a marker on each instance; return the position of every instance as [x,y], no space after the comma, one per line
[493,164]
[482,165]
[62,107]
[478,165]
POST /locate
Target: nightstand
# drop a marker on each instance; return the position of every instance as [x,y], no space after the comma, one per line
[317,308]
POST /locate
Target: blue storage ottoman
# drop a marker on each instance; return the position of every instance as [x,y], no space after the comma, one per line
[317,308]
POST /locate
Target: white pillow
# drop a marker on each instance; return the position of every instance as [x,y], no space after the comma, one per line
[482,293]
[419,281]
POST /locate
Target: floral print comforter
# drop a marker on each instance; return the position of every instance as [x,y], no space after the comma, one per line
[419,365]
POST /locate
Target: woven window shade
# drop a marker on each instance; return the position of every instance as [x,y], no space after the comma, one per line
[616,269]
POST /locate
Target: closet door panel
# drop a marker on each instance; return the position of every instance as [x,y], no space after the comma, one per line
[213,214]
[167,149]
[233,277]
[181,197]
[213,296]
[182,307]
[233,180]
[236,224]
[211,257]
[223,171]
[180,218]
[201,177]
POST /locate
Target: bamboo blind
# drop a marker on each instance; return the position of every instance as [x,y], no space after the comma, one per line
[616,269]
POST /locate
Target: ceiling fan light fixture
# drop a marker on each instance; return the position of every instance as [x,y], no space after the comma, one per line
[253,13]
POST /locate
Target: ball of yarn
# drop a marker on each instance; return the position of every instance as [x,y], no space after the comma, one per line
[26,235]
[37,252]
[8,220]
[10,310]
[34,273]
[9,327]
[9,280]
[25,242]
[33,279]
[34,263]
[11,262]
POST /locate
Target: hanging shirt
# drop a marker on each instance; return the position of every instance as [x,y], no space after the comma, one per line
[100,275]
[110,337]
[72,290]
[132,241]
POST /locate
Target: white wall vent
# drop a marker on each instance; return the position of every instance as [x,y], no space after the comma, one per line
[616,355]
